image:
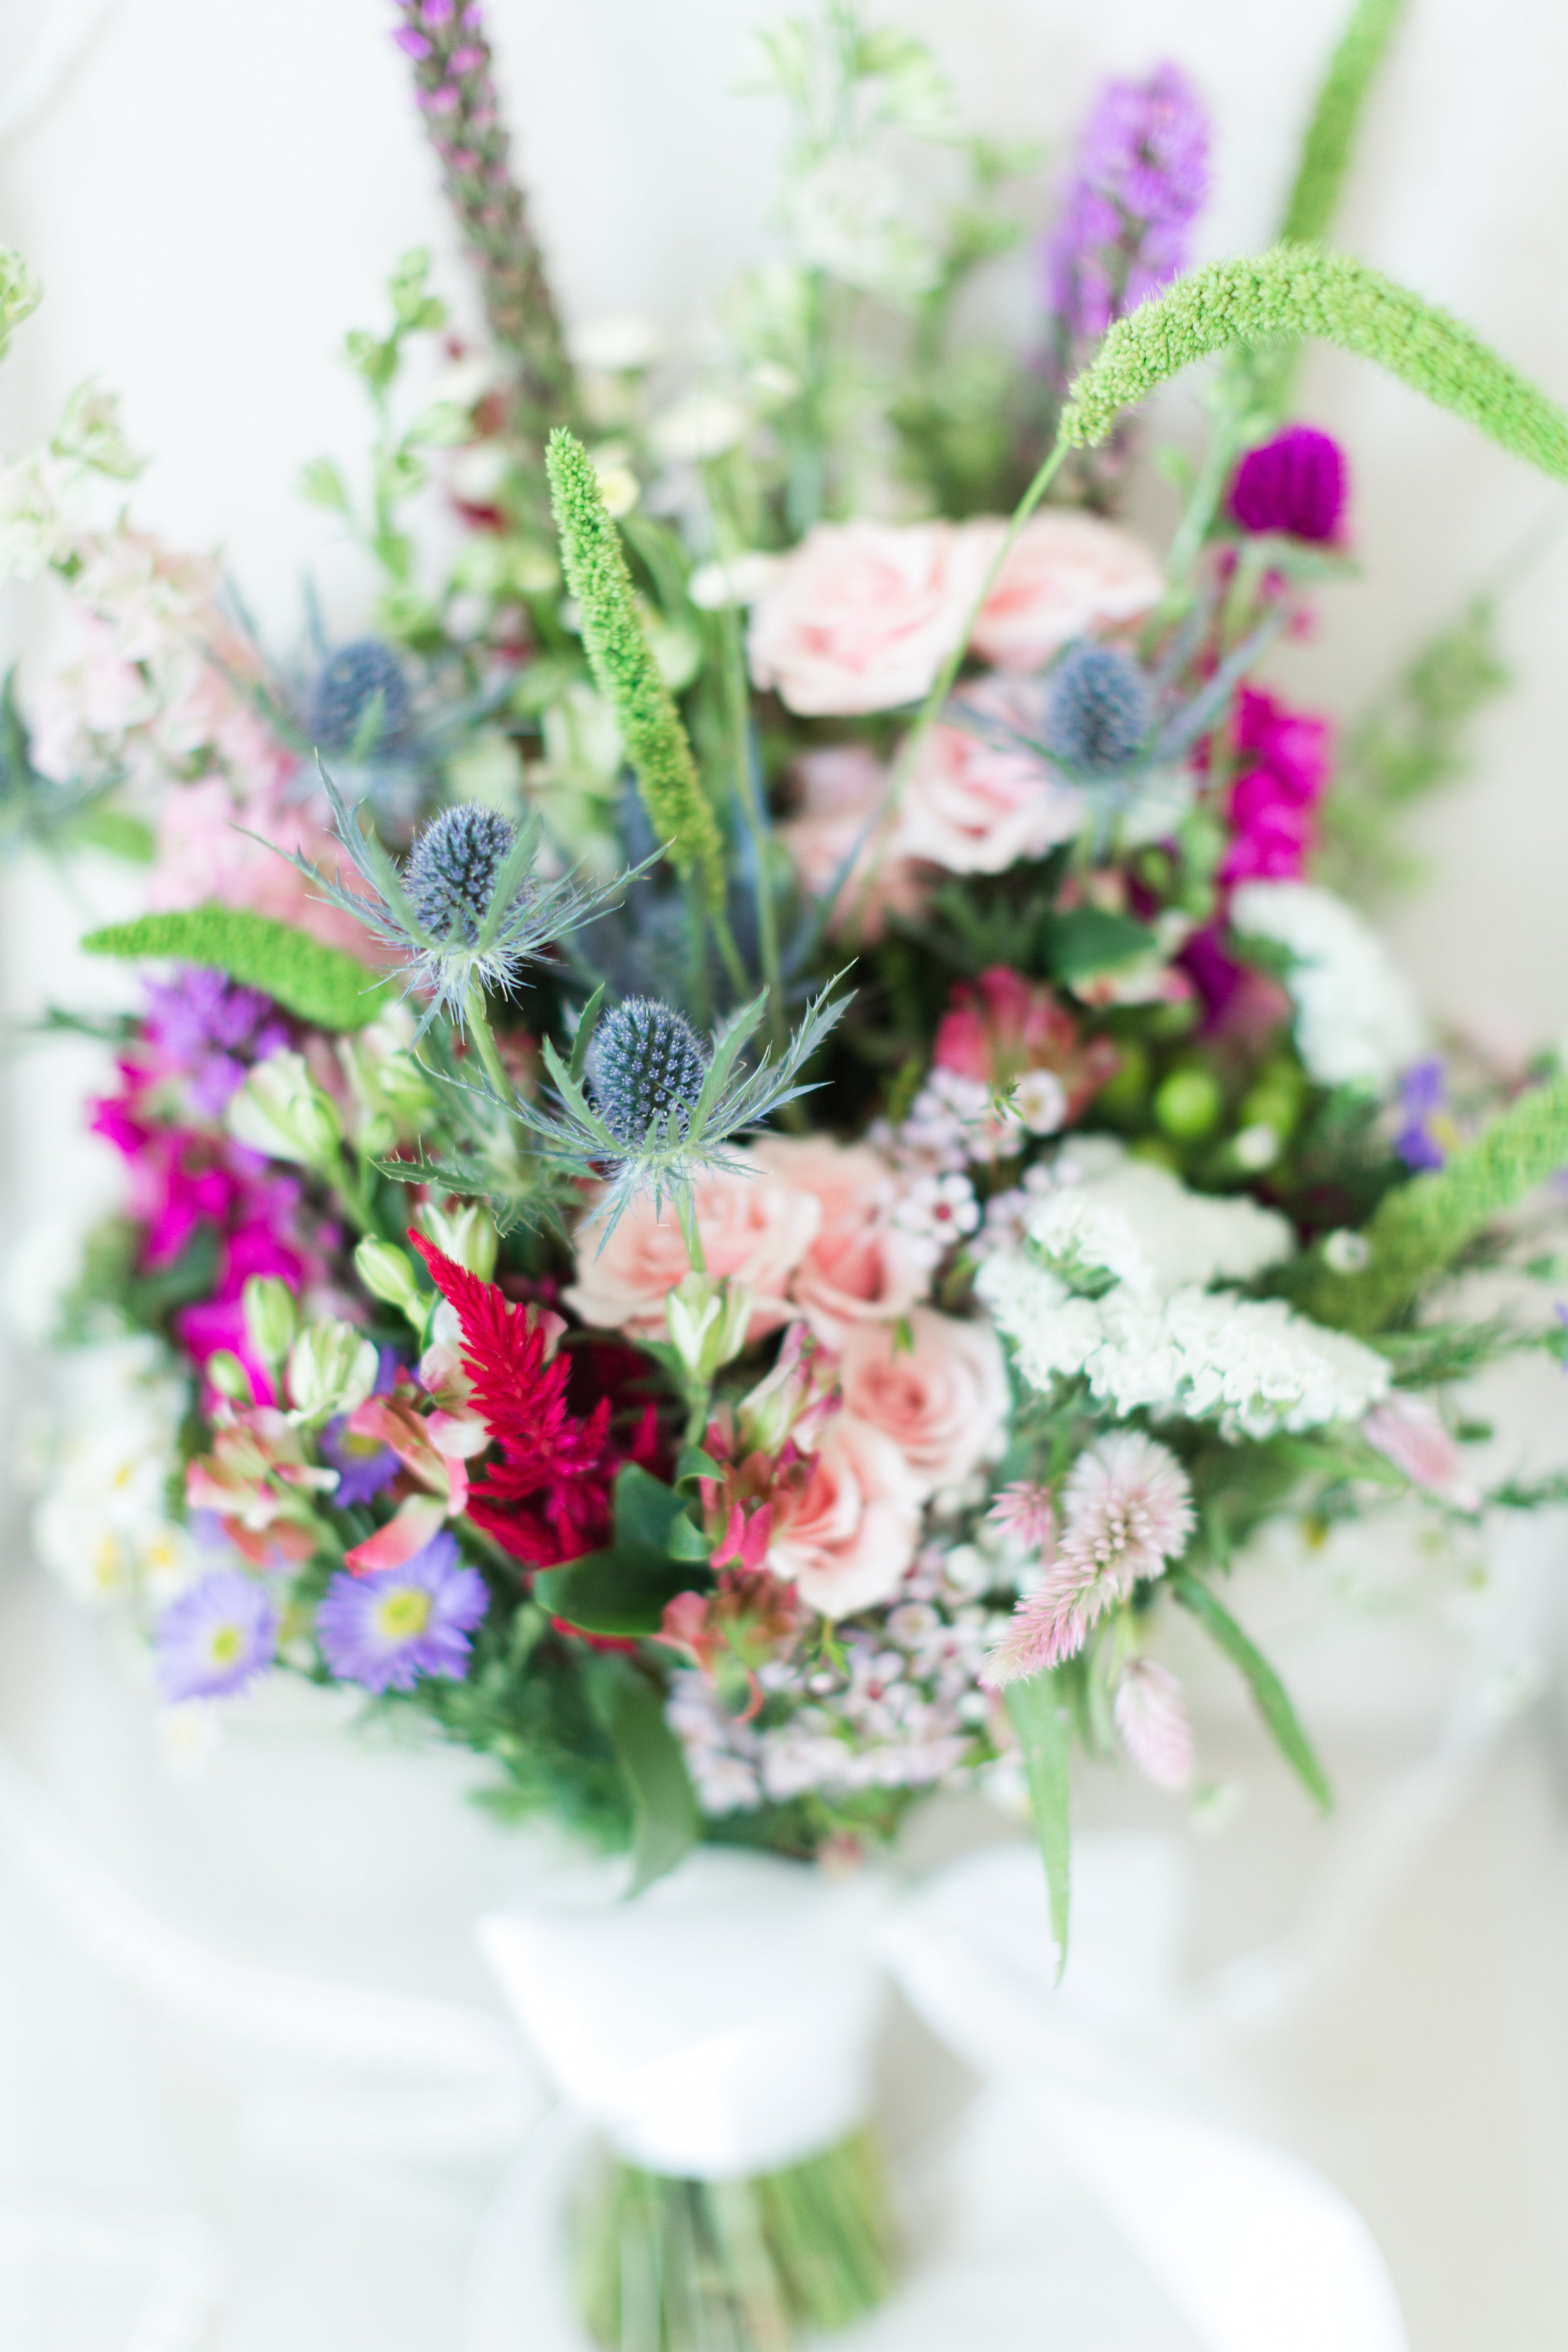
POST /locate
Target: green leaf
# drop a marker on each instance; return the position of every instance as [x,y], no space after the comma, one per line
[686,1540]
[1090,940]
[1266,1687]
[621,1591]
[116,833]
[1043,1720]
[646,1508]
[324,485]
[583,1036]
[693,1463]
[315,983]
[666,1823]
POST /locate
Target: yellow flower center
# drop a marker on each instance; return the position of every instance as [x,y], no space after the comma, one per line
[403,1614]
[228,1643]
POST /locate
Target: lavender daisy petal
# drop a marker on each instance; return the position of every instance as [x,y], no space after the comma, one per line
[386,1629]
[217,1638]
[363,1467]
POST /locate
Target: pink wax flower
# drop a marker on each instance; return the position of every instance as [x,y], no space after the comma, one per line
[1001,1026]
[1295,483]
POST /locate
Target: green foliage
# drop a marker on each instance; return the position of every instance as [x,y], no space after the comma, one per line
[1042,1716]
[20,294]
[1326,150]
[1264,1685]
[315,983]
[1408,745]
[1295,291]
[623,1591]
[626,673]
[666,1823]
[1420,1227]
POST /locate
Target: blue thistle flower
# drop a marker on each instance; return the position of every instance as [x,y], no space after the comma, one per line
[467,908]
[1099,712]
[361,703]
[646,1069]
[661,1106]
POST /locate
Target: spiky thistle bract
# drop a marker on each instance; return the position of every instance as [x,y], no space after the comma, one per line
[651,1108]
[467,908]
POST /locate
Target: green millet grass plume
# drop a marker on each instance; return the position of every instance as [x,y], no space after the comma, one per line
[625,669]
[1420,1228]
[1296,290]
[1330,134]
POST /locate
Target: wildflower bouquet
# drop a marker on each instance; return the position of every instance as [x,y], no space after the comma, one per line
[759,1146]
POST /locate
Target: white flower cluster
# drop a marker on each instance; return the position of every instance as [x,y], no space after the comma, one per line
[1156,1338]
[102,1522]
[902,1715]
[1356,1019]
[1139,1224]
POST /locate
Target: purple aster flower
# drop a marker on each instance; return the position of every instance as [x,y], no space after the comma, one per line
[386,1629]
[1422,1102]
[211,1030]
[1295,483]
[1141,179]
[364,1465]
[215,1638]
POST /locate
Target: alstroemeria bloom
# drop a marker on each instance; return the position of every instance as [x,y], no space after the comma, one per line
[433,1448]
[258,1480]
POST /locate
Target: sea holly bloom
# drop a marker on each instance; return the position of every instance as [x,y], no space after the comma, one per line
[386,1629]
[1127,1510]
[217,1638]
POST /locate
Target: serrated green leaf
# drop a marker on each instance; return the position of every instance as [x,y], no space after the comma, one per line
[1042,1718]
[621,1591]
[583,1036]
[1266,1685]
[666,1823]
[315,983]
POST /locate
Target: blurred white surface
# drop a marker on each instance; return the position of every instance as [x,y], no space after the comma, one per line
[213,195]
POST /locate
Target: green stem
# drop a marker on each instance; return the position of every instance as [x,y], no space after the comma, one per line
[751,804]
[686,1210]
[734,965]
[477,1021]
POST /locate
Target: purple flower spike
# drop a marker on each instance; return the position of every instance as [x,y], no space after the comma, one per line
[1422,1093]
[1141,180]
[1297,483]
[386,1629]
[411,41]
[217,1638]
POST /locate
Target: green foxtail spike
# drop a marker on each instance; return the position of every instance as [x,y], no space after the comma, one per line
[625,669]
[1419,1229]
[315,983]
[1297,290]
[1336,118]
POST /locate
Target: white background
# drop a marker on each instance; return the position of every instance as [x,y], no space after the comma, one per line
[212,194]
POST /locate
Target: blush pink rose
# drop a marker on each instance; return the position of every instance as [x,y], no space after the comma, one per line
[753,1227]
[859,1268]
[861,615]
[851,1534]
[205,851]
[975,806]
[842,791]
[943,1401]
[1067,573]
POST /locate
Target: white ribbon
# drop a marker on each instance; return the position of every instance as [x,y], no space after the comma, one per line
[1255,2252]
[721,2025]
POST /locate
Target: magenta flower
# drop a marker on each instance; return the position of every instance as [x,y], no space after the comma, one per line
[1151,1722]
[1295,483]
[384,1629]
[217,1638]
[1128,1509]
[1285,757]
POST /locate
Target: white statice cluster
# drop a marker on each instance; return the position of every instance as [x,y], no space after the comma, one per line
[102,1521]
[1357,1024]
[1155,1336]
[902,1714]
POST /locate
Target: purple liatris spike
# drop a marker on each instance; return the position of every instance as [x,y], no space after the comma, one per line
[1123,234]
[1426,1131]
[1295,483]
